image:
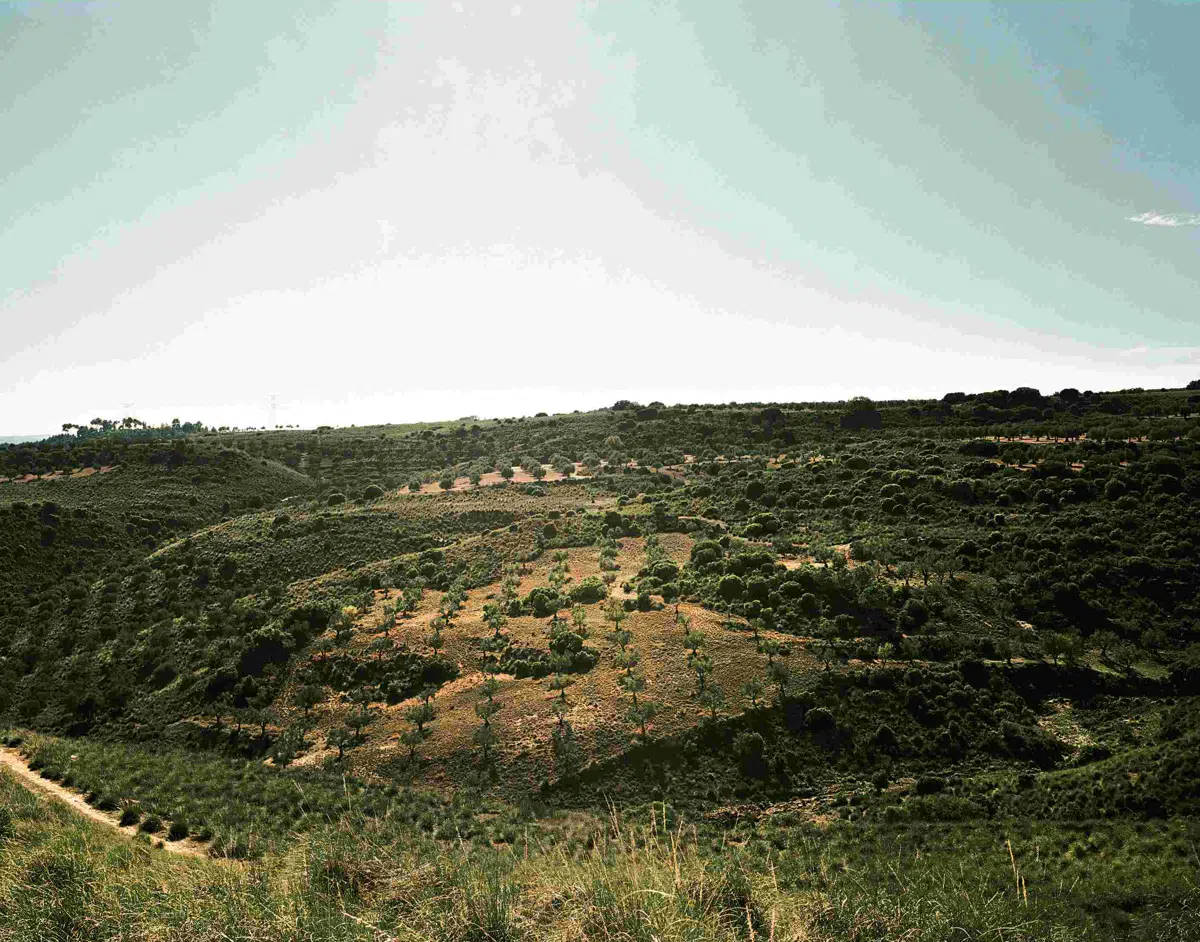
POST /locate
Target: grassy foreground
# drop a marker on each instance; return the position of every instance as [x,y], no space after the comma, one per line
[65,878]
[62,877]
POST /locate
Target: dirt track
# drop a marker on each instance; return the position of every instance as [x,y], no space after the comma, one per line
[10,759]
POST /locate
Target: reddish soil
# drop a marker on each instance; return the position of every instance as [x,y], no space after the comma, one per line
[56,475]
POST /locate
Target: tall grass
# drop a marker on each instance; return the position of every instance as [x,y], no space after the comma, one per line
[244,808]
[650,877]
[66,878]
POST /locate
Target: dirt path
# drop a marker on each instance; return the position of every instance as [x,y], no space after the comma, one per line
[12,760]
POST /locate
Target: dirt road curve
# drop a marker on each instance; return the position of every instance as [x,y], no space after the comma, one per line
[10,759]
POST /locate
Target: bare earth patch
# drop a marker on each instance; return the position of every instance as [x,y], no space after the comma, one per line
[526,721]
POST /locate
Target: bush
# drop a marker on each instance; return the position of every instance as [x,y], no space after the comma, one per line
[589,591]
[542,602]
[151,824]
[178,830]
[706,551]
[372,492]
[731,587]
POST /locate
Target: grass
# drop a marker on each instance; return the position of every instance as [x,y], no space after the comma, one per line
[646,878]
[244,808]
[64,878]
[908,783]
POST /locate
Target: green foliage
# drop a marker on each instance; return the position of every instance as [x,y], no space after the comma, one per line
[955,614]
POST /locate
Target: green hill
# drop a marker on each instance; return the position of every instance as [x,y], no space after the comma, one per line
[791,626]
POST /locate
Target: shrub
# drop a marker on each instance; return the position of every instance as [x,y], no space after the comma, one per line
[731,587]
[151,824]
[589,590]
[372,492]
[706,551]
[542,602]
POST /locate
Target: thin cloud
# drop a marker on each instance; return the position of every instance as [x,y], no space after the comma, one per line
[1166,219]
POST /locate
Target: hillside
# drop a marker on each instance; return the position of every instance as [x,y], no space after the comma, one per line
[846,631]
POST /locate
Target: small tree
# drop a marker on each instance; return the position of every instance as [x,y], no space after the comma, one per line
[701,665]
[494,618]
[419,714]
[632,682]
[1104,640]
[379,647]
[360,697]
[752,690]
[343,623]
[712,699]
[306,697]
[485,736]
[579,620]
[260,710]
[563,743]
[410,599]
[339,737]
[412,738]
[1124,655]
[288,745]
[827,643]
[627,659]
[641,713]
[1058,644]
[780,675]
[615,613]
[560,683]
[487,708]
[435,640]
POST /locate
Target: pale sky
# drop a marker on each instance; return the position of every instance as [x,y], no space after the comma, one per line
[399,211]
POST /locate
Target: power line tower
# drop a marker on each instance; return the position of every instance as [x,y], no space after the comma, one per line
[274,399]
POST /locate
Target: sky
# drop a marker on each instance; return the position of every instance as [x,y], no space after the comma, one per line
[416,211]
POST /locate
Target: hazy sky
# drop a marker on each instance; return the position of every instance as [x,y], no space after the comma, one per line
[389,211]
